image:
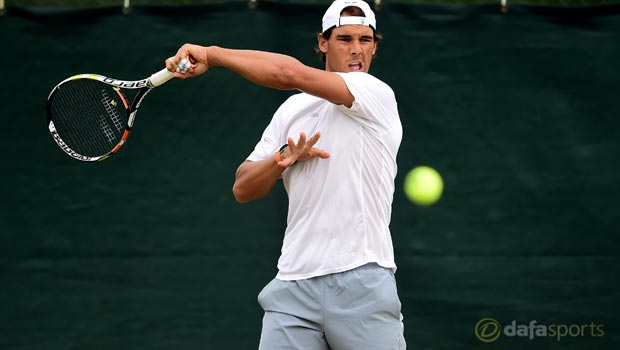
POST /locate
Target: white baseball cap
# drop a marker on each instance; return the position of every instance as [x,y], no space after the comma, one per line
[332,18]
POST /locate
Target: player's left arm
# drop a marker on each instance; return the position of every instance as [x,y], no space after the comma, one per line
[254,180]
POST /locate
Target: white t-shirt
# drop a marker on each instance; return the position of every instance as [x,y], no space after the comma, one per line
[339,208]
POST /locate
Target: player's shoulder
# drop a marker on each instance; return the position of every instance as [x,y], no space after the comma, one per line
[364,85]
[362,76]
[365,79]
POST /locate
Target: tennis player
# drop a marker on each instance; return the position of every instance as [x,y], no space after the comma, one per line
[334,146]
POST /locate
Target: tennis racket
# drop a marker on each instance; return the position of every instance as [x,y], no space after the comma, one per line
[89,116]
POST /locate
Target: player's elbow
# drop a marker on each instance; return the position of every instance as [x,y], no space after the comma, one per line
[241,196]
[246,187]
[290,75]
[244,195]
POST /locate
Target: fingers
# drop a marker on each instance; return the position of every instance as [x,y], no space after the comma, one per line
[178,67]
[320,153]
[182,66]
[171,65]
[304,148]
[314,139]
[302,142]
[189,61]
[181,70]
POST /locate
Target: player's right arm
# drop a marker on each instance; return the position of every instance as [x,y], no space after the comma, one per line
[267,69]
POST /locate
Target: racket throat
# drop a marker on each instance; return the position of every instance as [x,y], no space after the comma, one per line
[132,117]
[136,105]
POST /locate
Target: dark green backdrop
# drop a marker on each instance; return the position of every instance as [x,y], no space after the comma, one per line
[148,250]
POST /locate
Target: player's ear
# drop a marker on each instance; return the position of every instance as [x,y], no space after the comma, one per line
[322,43]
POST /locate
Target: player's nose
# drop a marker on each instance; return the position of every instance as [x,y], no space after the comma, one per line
[355,48]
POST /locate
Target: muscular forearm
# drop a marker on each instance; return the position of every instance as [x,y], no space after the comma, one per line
[263,68]
[254,180]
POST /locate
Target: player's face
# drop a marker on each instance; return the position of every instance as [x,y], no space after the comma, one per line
[349,49]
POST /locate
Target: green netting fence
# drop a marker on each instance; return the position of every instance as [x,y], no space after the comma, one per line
[377,3]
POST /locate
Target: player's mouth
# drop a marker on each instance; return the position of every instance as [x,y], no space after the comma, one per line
[355,66]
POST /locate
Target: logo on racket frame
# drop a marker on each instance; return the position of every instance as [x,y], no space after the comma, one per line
[64,146]
[126,84]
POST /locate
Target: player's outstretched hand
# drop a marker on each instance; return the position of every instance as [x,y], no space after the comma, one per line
[303,150]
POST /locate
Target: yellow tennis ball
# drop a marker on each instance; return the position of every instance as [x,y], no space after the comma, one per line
[423,185]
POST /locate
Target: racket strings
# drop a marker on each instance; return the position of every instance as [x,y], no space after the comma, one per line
[111,108]
[89,116]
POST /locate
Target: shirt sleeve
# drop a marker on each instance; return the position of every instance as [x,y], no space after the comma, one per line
[375,102]
[270,140]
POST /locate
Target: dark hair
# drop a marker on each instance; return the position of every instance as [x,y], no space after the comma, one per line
[351,11]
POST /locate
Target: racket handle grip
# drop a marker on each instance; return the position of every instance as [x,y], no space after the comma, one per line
[160,77]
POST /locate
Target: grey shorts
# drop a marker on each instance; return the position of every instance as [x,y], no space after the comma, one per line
[352,310]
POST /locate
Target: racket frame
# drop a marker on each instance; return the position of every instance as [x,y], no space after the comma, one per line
[144,85]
